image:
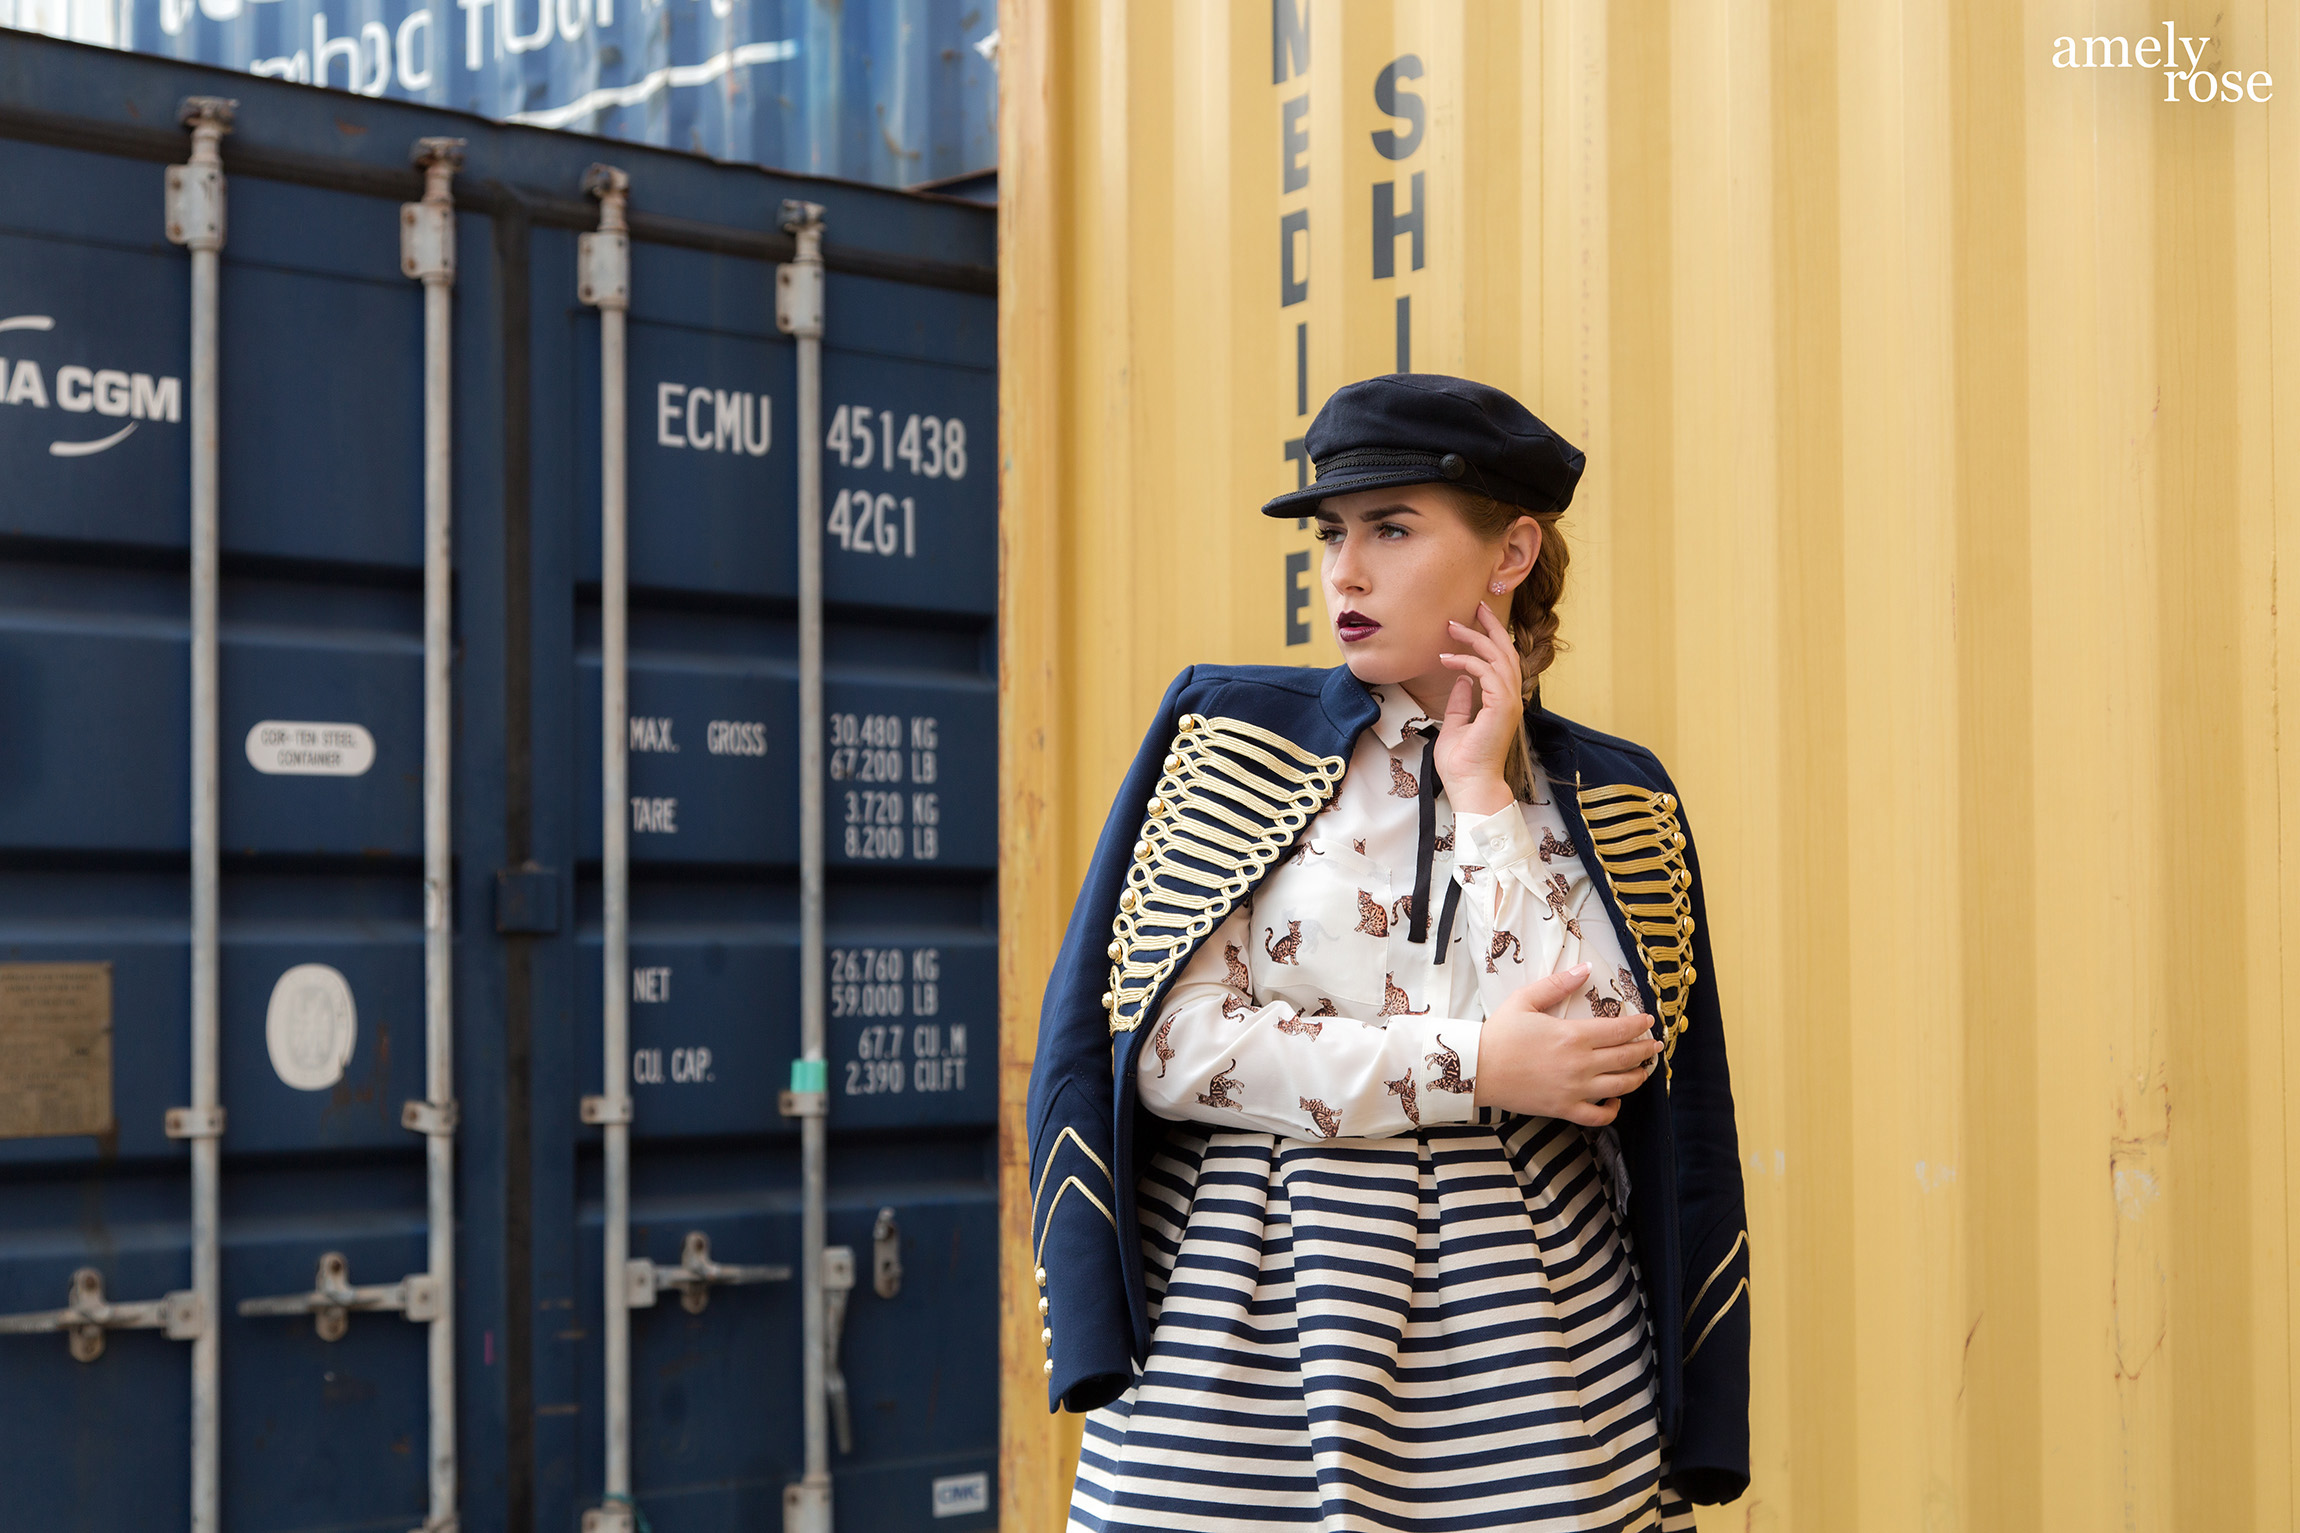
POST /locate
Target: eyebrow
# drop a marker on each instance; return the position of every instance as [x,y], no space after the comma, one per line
[1375,515]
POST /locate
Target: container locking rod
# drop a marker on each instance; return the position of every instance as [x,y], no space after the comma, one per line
[799,314]
[603,281]
[194,210]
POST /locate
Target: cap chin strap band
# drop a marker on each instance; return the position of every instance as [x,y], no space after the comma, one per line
[1450,467]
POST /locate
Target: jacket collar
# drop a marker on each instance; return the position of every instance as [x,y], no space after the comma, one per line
[1349,707]
[1553,741]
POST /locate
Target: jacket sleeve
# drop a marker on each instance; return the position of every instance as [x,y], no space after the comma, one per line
[1710,1459]
[1070,1119]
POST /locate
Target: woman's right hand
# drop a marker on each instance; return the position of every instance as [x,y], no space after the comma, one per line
[1577,1068]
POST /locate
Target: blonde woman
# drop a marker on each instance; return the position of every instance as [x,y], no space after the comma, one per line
[1382,1142]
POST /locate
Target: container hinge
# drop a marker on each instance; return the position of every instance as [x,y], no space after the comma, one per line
[432,1119]
[604,1109]
[603,270]
[693,1276]
[799,283]
[886,1255]
[87,1315]
[194,1123]
[427,241]
[806,1507]
[195,197]
[334,1296]
[427,228]
[616,1516]
[838,1283]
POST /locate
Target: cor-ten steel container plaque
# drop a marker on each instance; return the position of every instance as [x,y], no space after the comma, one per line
[55,1049]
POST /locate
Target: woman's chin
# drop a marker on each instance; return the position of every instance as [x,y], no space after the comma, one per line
[1376,669]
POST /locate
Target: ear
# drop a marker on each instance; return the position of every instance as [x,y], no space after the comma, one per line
[1520,547]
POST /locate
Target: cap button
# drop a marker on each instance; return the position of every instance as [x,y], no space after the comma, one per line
[1453,465]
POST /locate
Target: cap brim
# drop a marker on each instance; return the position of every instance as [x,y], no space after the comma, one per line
[1304,501]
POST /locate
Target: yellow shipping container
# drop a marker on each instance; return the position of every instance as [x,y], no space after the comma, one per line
[1941,388]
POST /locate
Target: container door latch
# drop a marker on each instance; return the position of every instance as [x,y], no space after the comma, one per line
[87,1315]
[694,1276]
[886,1255]
[838,1283]
[334,1296]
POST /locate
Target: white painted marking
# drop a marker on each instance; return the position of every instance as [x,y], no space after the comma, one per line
[290,748]
[90,449]
[962,1495]
[675,75]
[311,1026]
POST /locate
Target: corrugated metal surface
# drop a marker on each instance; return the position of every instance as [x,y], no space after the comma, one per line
[322,509]
[896,92]
[1941,413]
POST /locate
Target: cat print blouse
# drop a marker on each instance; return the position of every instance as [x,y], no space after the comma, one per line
[1309,1013]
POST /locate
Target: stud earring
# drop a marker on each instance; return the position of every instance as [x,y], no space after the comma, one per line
[1498,588]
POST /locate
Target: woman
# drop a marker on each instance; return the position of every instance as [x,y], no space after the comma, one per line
[1415,1108]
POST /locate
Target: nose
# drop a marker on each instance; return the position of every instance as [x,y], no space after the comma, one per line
[1345,571]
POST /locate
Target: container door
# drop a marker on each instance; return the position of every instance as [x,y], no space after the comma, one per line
[911,757]
[323,1419]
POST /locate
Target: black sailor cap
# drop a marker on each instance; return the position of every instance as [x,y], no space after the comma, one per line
[1423,428]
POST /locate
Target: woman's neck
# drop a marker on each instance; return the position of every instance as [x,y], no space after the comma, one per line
[1430,692]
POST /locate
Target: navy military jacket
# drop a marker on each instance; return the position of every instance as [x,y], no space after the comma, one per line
[1238,760]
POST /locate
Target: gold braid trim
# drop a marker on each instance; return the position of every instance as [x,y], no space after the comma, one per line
[1233,797]
[1634,831]
[1723,1310]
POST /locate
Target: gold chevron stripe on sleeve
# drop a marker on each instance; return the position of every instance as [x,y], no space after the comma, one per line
[1047,1170]
[1734,1250]
[1068,1182]
[1723,1310]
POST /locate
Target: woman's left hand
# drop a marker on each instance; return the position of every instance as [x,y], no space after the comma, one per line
[1481,715]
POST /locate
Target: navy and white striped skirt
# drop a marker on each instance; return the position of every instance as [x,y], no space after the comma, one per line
[1435,1332]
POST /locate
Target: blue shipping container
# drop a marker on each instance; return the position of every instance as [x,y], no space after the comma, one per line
[324,1416]
[895,92]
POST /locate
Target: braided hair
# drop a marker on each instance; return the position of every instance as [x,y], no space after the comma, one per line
[1532,616]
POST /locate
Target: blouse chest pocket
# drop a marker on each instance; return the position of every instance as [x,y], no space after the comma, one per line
[1321,925]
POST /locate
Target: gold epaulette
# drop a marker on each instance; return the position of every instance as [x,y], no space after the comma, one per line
[1233,797]
[1635,838]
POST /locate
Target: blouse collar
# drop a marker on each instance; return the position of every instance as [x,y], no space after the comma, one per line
[1398,709]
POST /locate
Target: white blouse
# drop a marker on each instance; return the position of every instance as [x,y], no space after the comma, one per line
[1309,1013]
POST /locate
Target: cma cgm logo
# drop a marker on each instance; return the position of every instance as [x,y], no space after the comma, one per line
[104,392]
